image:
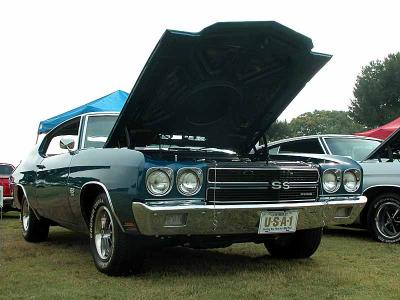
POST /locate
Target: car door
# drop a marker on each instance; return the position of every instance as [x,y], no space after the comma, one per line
[86,165]
[52,173]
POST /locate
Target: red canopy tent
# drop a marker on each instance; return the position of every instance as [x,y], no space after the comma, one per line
[383,131]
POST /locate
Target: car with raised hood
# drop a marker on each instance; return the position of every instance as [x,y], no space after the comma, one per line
[6,182]
[380,162]
[173,167]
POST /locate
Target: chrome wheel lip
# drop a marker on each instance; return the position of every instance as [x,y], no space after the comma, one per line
[25,215]
[387,220]
[104,233]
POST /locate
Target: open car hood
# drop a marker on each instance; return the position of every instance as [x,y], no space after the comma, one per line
[221,87]
[389,149]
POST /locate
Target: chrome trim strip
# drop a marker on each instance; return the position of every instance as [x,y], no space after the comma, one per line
[270,169]
[326,145]
[173,199]
[262,169]
[360,200]
[261,201]
[108,198]
[259,188]
[26,196]
[265,201]
[262,182]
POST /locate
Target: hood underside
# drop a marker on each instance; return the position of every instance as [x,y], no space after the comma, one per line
[221,87]
[389,149]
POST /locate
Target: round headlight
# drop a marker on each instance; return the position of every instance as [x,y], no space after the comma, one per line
[189,181]
[331,180]
[351,180]
[158,181]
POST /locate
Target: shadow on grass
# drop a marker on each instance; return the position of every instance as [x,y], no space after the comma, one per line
[11,215]
[350,232]
[182,260]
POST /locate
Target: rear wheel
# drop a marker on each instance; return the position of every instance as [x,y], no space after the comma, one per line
[301,244]
[33,229]
[114,252]
[383,218]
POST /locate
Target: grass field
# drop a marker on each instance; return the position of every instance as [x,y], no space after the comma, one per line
[348,265]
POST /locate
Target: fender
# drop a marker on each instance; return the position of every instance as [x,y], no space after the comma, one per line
[27,199]
[108,198]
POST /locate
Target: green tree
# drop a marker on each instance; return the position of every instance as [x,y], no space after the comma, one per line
[316,122]
[377,92]
[324,122]
[279,130]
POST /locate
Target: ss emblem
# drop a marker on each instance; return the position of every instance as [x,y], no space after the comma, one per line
[277,185]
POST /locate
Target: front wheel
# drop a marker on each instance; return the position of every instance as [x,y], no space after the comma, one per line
[113,251]
[383,218]
[301,244]
[33,229]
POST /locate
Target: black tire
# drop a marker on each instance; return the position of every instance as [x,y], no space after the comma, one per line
[301,244]
[34,230]
[383,218]
[115,253]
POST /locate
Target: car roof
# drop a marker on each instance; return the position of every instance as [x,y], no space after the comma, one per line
[7,164]
[349,136]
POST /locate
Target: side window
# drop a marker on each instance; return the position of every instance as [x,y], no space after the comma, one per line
[302,146]
[51,143]
[274,150]
[97,130]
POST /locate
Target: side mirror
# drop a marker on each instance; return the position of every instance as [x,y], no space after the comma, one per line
[67,143]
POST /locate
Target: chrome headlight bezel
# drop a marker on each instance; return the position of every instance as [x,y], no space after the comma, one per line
[170,174]
[199,175]
[338,180]
[357,175]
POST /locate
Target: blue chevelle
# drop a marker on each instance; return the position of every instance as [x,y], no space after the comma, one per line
[173,168]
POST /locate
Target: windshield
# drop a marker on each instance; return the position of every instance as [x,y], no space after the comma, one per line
[6,170]
[355,148]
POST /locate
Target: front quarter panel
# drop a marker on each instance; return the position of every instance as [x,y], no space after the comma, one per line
[119,170]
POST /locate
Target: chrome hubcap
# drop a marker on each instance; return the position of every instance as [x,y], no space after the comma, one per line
[25,215]
[103,233]
[388,220]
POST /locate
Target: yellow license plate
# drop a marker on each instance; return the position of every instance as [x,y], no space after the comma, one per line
[278,221]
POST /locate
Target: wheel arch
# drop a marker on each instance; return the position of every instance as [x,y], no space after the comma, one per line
[19,194]
[371,193]
[89,191]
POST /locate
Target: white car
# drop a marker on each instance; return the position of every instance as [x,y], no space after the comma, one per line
[380,162]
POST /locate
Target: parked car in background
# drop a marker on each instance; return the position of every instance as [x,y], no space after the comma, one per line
[173,168]
[380,162]
[7,181]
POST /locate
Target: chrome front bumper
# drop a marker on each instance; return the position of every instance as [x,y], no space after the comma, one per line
[241,219]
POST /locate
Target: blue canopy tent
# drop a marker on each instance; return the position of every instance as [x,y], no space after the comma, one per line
[112,102]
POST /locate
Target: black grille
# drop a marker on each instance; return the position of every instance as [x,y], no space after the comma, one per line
[259,195]
[262,175]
